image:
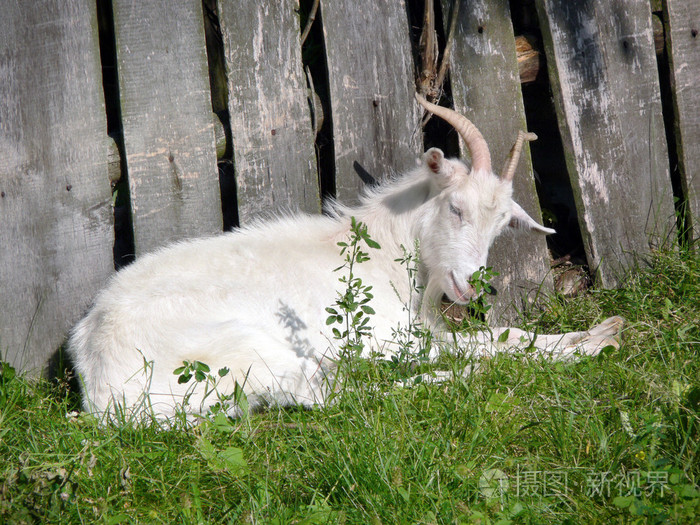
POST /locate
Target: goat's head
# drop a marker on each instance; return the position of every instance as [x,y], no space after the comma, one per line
[471,207]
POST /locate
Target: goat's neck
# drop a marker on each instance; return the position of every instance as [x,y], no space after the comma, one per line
[394,232]
[398,235]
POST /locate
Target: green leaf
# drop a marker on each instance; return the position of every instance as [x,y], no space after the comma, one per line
[637,508]
[689,491]
[205,448]
[317,514]
[233,460]
[504,336]
[230,459]
[241,399]
[201,367]
[623,501]
[222,423]
[495,402]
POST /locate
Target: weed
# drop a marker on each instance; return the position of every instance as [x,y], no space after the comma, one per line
[200,372]
[412,340]
[351,310]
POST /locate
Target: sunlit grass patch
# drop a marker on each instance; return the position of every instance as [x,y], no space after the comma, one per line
[524,440]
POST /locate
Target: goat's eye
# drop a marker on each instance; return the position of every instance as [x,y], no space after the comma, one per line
[456,211]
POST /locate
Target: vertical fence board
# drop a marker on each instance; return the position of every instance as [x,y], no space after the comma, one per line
[55,209]
[603,72]
[371,80]
[486,88]
[167,120]
[273,143]
[683,32]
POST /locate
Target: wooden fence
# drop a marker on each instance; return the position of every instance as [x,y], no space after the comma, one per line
[179,62]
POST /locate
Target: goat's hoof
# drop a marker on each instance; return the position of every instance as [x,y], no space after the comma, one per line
[611,327]
[607,333]
[590,345]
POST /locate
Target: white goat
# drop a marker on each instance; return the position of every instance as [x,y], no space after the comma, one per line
[254,300]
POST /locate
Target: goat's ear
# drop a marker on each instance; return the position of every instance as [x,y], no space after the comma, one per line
[520,220]
[434,160]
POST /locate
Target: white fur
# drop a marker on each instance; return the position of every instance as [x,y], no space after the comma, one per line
[254,300]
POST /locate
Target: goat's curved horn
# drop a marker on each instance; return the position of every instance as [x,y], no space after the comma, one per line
[514,155]
[478,149]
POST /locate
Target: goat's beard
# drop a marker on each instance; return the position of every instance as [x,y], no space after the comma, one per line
[431,301]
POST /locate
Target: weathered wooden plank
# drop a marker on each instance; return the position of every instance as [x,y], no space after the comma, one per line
[167,120]
[486,88]
[273,143]
[529,62]
[371,81]
[683,29]
[55,210]
[603,74]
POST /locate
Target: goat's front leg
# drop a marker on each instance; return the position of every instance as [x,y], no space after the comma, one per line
[554,346]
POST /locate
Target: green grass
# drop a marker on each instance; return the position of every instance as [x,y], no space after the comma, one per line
[593,441]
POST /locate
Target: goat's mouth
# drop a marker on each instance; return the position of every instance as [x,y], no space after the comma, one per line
[462,293]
